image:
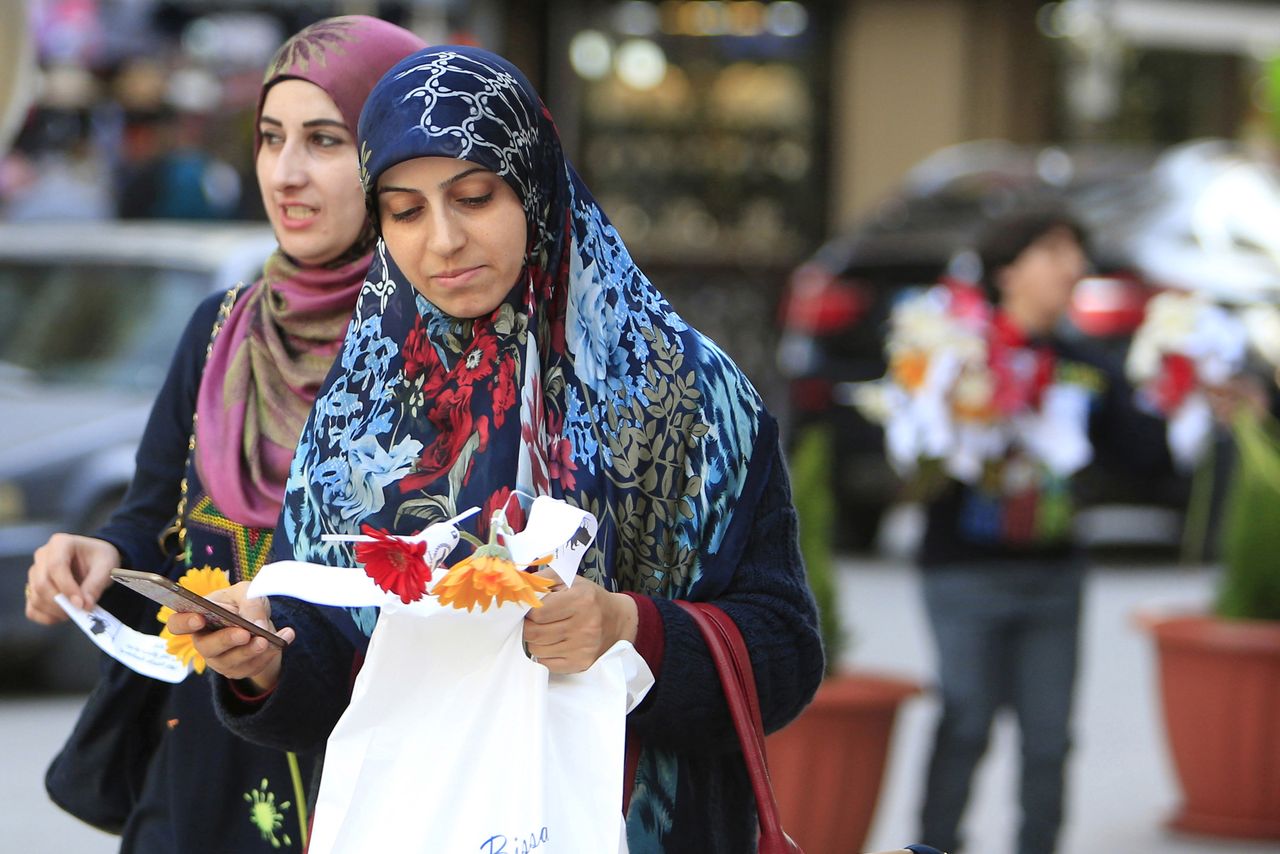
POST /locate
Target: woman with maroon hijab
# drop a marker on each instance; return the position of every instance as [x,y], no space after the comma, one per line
[221,436]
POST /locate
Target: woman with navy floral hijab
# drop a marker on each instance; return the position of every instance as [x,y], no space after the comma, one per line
[506,344]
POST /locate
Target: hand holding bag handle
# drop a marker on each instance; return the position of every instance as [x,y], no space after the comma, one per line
[729,653]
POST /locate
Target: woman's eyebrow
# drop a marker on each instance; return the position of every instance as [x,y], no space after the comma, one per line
[307,124]
[311,123]
[443,185]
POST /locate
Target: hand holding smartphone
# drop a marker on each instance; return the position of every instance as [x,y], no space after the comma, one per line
[167,592]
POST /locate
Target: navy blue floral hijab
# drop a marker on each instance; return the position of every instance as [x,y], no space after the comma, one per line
[584,384]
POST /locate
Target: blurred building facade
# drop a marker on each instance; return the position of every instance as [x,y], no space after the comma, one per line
[727,138]
[731,128]
[839,98]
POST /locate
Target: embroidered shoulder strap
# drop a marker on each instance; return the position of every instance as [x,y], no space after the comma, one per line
[178,525]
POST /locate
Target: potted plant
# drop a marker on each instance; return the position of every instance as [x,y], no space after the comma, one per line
[1220,672]
[827,765]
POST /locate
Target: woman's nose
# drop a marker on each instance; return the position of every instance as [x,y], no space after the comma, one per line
[445,234]
[291,168]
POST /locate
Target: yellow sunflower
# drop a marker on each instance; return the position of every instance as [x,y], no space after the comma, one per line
[202,581]
[487,575]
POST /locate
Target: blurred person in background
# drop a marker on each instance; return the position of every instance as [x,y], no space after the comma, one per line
[1002,576]
[167,169]
[55,171]
[166,174]
[222,432]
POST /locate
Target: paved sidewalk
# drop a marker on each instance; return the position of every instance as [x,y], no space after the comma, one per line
[1122,785]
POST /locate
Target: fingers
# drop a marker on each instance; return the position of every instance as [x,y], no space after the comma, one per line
[231,645]
[257,609]
[98,578]
[257,661]
[236,598]
[40,607]
[567,633]
[547,572]
[77,567]
[234,652]
[186,624]
[237,654]
[50,574]
[232,597]
[551,643]
[563,603]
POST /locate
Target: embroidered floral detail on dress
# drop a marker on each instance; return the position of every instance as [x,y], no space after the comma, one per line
[250,547]
[268,816]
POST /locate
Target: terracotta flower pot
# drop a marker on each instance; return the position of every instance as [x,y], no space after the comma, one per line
[1220,684]
[827,764]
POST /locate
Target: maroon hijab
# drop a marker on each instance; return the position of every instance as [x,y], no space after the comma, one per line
[281,337]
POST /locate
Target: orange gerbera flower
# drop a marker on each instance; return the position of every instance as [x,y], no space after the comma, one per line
[396,565]
[487,575]
[203,581]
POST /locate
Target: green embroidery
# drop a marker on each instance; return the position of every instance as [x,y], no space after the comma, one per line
[267,816]
[1055,509]
[250,546]
[1080,374]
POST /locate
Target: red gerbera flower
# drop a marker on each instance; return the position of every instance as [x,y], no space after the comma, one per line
[395,565]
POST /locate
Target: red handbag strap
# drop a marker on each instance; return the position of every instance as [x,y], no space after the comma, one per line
[630,767]
[729,653]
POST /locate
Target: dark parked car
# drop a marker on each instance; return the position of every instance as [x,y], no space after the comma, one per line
[89,316]
[1156,219]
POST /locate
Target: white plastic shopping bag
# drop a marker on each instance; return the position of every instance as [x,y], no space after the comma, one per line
[455,741]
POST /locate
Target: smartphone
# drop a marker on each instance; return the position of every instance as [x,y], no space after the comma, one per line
[167,592]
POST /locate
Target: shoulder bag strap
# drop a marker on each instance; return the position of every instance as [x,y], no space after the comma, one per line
[729,653]
[178,525]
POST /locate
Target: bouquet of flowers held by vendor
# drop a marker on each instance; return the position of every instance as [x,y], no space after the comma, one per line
[1188,346]
[964,390]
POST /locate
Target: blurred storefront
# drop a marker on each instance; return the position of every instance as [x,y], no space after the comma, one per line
[716,131]
[726,138]
[144,108]
[698,125]
[701,128]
